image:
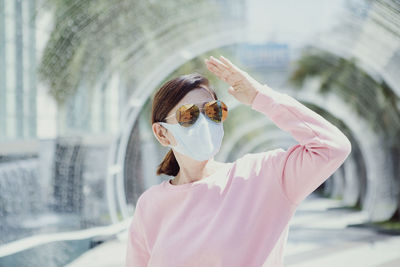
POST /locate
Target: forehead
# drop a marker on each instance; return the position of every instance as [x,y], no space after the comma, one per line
[196,96]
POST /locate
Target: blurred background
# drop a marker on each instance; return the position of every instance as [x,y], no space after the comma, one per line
[76,146]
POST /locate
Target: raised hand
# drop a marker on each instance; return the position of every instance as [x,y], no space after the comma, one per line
[242,86]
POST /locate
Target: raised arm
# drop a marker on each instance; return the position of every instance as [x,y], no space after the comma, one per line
[321,147]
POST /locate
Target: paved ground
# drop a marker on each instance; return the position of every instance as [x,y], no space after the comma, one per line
[318,236]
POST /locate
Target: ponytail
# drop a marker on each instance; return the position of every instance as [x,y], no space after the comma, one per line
[169,165]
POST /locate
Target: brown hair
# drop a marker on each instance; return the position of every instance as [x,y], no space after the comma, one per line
[166,98]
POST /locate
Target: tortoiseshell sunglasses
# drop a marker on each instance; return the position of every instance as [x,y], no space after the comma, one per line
[187,114]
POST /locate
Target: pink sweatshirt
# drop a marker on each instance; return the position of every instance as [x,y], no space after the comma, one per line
[239,215]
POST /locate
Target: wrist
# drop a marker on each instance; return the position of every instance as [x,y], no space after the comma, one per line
[253,96]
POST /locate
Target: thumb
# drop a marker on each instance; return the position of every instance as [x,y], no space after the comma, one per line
[231,91]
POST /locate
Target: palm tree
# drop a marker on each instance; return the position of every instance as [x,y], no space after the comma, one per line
[91,37]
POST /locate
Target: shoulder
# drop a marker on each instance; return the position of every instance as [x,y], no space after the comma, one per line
[148,196]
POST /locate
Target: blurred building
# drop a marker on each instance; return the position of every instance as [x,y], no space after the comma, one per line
[266,55]
[27,111]
[41,173]
[17,70]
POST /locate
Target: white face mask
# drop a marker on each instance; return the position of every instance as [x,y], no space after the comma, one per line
[201,141]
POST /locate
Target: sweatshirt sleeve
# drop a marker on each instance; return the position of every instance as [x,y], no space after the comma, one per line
[320,151]
[137,254]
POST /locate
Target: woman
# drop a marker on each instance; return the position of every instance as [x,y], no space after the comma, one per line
[227,214]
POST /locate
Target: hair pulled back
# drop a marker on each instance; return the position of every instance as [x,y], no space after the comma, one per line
[165,99]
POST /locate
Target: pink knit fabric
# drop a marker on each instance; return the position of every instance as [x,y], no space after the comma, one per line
[239,215]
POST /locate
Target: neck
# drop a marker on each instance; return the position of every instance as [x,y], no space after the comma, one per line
[191,170]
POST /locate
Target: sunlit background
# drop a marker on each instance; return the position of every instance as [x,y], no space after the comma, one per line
[76,146]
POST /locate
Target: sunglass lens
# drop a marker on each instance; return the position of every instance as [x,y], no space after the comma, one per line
[216,110]
[187,115]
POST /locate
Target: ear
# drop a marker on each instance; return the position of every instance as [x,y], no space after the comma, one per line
[160,133]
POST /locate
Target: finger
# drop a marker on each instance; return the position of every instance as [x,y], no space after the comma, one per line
[214,69]
[209,64]
[224,70]
[229,63]
[223,73]
[231,90]
[226,62]
[231,68]
[215,64]
[218,63]
[220,70]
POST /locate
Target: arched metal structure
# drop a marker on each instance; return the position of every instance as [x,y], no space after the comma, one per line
[381,191]
[380,201]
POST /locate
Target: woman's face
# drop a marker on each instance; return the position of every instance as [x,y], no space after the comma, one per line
[194,96]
